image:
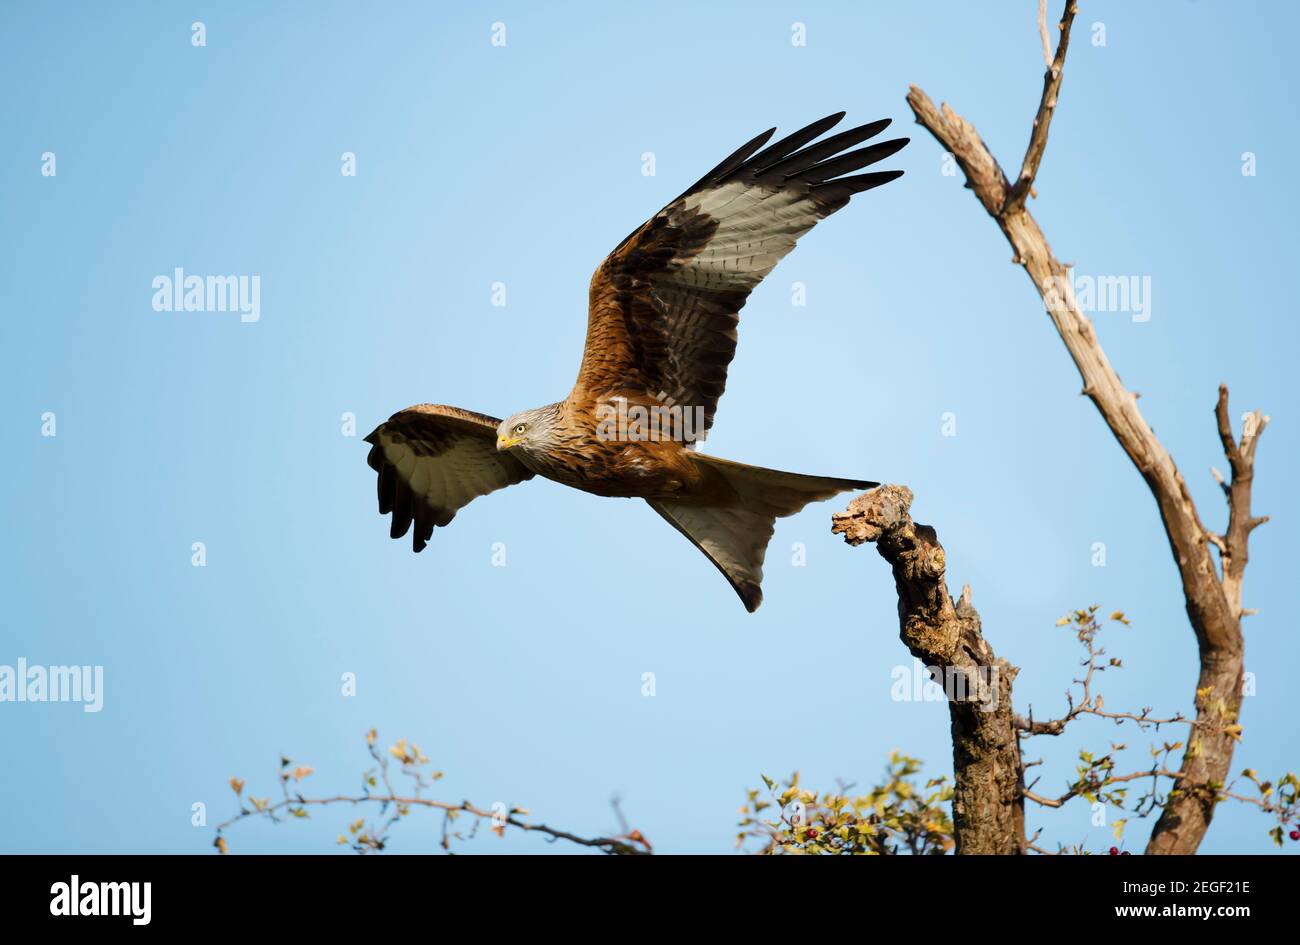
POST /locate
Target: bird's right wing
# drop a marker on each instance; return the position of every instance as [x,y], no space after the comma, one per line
[433,460]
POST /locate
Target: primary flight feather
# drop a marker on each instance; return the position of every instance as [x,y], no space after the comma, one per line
[661,331]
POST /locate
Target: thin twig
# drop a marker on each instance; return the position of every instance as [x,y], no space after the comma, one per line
[1042,32]
[1046,106]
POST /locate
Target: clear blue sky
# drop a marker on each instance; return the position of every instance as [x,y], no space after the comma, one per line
[523,165]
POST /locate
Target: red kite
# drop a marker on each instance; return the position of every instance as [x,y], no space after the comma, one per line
[661,330]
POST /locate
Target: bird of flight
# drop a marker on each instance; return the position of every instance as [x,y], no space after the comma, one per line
[661,330]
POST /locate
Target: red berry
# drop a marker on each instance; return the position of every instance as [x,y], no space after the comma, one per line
[812,834]
[1295,834]
[1114,851]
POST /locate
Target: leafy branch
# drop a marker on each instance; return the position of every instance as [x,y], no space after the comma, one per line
[898,816]
[371,835]
[1096,778]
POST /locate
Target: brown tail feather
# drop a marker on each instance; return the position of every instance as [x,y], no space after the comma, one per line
[734,535]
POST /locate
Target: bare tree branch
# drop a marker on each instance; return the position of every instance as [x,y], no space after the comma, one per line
[1086,627]
[394,805]
[987,809]
[1233,551]
[625,845]
[1042,31]
[1213,603]
[1046,106]
[1077,789]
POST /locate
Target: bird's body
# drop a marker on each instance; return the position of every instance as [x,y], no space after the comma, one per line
[661,330]
[576,455]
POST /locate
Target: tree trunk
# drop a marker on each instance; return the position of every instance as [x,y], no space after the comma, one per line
[988,807]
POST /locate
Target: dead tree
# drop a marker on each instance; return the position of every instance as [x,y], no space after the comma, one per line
[987,813]
[987,806]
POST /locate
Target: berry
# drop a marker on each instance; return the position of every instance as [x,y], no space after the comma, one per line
[1126,853]
[812,834]
[1295,834]
[1114,851]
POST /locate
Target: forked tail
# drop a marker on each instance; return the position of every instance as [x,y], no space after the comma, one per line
[734,534]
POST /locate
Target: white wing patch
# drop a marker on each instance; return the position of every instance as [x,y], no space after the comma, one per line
[757,226]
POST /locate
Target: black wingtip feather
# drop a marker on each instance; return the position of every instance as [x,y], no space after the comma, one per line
[403,511]
[799,156]
[791,143]
[420,537]
[852,161]
[734,160]
[386,484]
[806,158]
[845,187]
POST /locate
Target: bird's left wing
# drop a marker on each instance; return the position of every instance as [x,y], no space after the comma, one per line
[433,460]
[664,304]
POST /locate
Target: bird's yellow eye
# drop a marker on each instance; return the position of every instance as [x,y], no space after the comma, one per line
[519,429]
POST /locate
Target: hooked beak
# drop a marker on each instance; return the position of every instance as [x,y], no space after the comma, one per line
[505,442]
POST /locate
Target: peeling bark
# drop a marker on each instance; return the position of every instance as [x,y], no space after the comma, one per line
[988,808]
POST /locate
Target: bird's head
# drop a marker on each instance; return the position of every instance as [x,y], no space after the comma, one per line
[528,429]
